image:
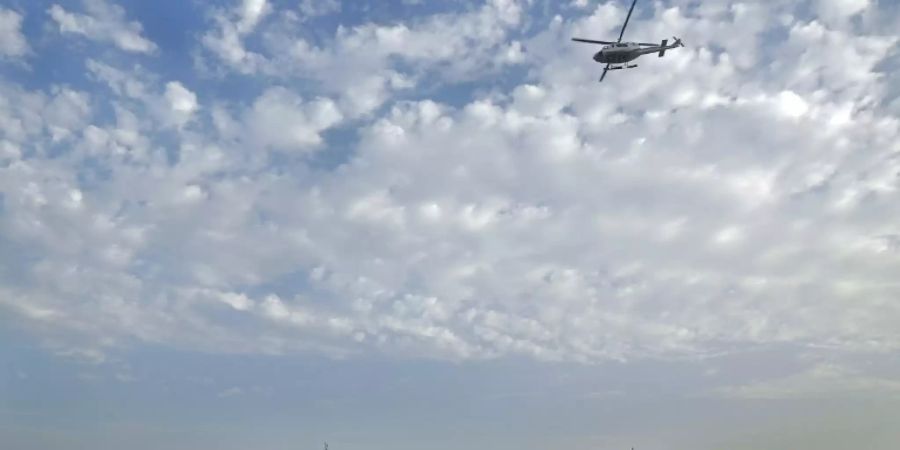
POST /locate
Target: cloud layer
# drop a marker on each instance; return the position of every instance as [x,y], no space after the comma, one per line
[740,192]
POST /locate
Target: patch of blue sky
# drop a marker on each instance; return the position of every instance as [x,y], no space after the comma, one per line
[174,26]
[342,144]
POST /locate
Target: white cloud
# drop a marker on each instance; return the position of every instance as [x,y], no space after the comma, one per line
[227,41]
[231,392]
[239,302]
[121,82]
[28,115]
[315,8]
[182,102]
[67,112]
[171,105]
[12,42]
[103,23]
[282,120]
[180,99]
[252,11]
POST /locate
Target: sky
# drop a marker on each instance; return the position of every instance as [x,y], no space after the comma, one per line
[424,225]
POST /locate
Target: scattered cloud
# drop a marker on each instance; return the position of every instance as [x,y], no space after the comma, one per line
[231,392]
[238,391]
[12,42]
[103,22]
[182,102]
[251,12]
[311,8]
[358,64]
[226,41]
[281,119]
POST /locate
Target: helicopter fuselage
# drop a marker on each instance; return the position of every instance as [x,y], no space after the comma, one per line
[624,52]
[619,53]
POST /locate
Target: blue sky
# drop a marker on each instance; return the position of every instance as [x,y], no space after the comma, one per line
[424,225]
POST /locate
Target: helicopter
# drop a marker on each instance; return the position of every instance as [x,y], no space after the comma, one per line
[616,55]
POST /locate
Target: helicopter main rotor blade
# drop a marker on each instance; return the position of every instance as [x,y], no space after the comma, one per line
[605,69]
[591,41]
[622,33]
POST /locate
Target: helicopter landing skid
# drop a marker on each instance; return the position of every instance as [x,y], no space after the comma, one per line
[624,66]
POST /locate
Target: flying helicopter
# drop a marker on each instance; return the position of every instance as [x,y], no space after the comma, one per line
[616,55]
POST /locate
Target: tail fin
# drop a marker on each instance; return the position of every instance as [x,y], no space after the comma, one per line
[663,45]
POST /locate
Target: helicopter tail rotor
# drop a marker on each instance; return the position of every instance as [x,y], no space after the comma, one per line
[675,44]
